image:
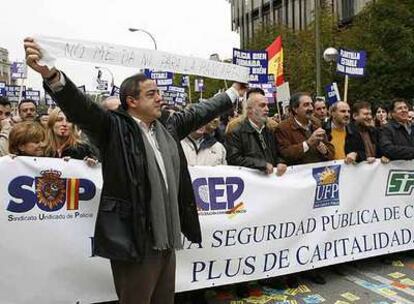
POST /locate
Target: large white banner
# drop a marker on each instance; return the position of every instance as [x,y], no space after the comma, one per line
[253,226]
[126,56]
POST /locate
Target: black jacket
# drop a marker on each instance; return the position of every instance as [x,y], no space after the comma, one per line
[244,147]
[395,141]
[123,225]
[79,151]
[354,142]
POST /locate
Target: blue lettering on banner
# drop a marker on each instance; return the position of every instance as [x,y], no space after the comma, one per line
[327,186]
[50,192]
[217,193]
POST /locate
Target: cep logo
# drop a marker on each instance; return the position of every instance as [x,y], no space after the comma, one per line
[51,193]
[327,186]
[218,193]
[400,182]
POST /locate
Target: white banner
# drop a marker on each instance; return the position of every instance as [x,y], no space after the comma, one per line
[253,226]
[101,52]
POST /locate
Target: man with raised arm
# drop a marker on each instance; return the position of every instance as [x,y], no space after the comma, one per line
[147,198]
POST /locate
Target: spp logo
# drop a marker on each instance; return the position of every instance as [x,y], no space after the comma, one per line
[218,194]
[327,186]
[400,182]
[51,193]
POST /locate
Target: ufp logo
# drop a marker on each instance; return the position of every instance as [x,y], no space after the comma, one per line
[51,192]
[400,182]
[218,194]
[327,186]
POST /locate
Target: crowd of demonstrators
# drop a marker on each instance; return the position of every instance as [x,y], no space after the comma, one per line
[40,134]
[146,149]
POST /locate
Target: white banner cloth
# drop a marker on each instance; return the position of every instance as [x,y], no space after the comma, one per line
[126,56]
[253,226]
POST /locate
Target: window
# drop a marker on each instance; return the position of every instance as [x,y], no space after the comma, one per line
[348,10]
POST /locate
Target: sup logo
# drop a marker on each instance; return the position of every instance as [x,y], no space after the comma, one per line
[51,192]
[400,182]
[218,195]
[327,186]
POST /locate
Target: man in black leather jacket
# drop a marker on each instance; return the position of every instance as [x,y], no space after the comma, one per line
[147,198]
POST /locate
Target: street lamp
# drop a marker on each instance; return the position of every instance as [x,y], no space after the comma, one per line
[330,55]
[146,32]
[109,71]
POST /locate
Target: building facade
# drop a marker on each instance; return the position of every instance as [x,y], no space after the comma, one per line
[247,16]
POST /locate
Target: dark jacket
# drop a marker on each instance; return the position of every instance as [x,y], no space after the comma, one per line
[354,142]
[244,147]
[123,225]
[79,151]
[290,137]
[395,142]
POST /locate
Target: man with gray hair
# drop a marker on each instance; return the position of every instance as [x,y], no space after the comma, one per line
[251,144]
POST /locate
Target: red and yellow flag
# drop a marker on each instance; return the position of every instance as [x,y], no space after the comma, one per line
[72,194]
[275,56]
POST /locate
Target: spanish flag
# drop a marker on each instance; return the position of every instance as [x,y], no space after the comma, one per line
[72,194]
[275,65]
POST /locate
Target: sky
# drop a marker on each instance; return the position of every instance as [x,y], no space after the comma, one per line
[185,27]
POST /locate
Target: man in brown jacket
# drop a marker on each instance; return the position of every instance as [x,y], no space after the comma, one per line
[302,140]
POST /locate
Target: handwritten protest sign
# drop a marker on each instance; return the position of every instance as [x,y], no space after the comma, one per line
[106,53]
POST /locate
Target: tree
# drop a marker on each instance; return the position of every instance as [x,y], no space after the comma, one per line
[384,29]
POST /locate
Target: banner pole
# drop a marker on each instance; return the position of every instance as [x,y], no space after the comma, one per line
[346,88]
[189,89]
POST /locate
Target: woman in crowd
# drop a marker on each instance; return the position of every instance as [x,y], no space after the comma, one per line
[381,116]
[63,139]
[26,139]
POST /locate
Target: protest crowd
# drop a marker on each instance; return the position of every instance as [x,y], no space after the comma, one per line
[209,133]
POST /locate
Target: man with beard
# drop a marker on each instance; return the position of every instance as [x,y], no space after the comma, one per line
[251,144]
[397,136]
[27,110]
[336,127]
[362,137]
[301,138]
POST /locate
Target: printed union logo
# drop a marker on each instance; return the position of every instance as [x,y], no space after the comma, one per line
[49,192]
[327,186]
[219,195]
[400,182]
